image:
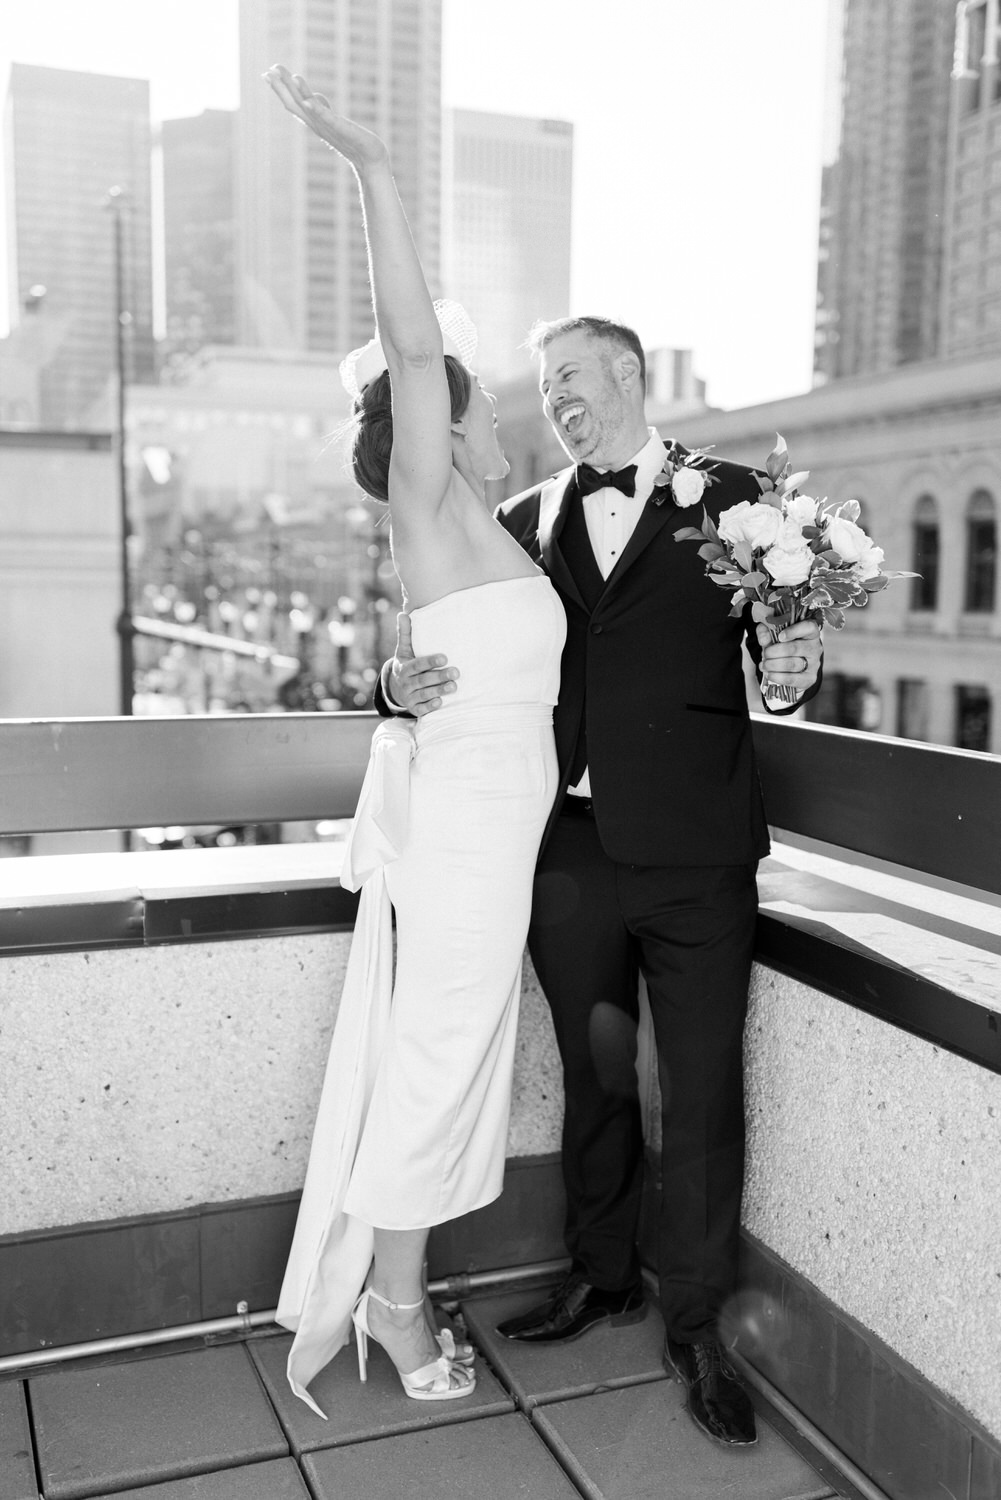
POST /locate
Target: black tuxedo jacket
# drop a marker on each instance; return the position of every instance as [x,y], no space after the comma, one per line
[653,661]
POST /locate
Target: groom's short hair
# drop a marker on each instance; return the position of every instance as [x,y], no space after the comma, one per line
[618,335]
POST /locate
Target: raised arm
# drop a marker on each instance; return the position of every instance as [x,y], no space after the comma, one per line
[421,464]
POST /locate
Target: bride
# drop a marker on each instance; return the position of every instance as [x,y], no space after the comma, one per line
[412,1123]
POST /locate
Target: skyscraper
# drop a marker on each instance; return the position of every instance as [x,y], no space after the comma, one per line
[69,138]
[199,161]
[971,293]
[884,194]
[506,228]
[302,268]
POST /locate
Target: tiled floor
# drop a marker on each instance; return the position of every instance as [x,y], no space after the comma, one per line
[596,1418]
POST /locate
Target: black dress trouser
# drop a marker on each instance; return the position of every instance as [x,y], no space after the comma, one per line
[595,926]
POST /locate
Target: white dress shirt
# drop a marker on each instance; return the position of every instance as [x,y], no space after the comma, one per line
[611,516]
[611,520]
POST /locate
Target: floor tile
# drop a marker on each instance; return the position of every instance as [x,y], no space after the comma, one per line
[278,1479]
[358,1412]
[17,1467]
[112,1426]
[640,1444]
[500,1457]
[604,1357]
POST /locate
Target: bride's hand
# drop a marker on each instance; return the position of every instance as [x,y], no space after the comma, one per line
[361,147]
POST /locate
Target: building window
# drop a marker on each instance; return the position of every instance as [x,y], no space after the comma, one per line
[912,708]
[973,717]
[848,702]
[924,555]
[981,554]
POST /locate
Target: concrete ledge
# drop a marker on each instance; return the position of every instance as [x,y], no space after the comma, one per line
[877,1409]
[873,1169]
[77,902]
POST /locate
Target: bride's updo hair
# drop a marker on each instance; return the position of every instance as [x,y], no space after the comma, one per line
[373,415]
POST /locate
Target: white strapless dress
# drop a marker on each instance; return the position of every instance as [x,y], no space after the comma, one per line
[412,1123]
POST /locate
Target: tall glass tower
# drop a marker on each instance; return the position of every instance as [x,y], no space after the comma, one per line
[302,269]
[69,138]
[506,228]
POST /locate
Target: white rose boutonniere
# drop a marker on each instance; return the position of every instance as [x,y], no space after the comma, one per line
[683,475]
[687,486]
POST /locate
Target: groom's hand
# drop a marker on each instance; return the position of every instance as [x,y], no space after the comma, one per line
[417,684]
[794,659]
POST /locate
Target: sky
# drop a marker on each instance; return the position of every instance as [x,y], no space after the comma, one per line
[705,117]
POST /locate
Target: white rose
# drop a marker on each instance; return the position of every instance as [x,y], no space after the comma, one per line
[751,522]
[846,539]
[789,565]
[687,486]
[870,564]
[802,509]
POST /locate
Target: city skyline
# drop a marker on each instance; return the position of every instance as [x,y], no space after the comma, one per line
[719,113]
[506,206]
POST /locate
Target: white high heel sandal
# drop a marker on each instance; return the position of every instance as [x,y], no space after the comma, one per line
[432,1382]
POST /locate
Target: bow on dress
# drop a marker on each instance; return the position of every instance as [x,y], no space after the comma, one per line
[332,1250]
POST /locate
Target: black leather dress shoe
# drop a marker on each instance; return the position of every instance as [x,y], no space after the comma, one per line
[717,1401]
[575,1307]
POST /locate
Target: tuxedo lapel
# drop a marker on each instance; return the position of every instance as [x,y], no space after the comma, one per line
[554,501]
[654,518]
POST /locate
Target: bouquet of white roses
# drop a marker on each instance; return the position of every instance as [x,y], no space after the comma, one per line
[790,556]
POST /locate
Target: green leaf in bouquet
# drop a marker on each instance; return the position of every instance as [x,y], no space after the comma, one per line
[765,484]
[712,552]
[754,579]
[725,580]
[760,612]
[737,608]
[842,589]
[834,558]
[794,481]
[834,617]
[742,556]
[811,533]
[689,534]
[873,585]
[709,527]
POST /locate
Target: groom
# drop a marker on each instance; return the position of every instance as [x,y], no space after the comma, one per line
[648,863]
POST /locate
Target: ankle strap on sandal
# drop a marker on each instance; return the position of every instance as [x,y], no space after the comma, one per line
[394,1306]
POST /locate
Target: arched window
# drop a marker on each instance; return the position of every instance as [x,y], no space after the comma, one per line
[981,553]
[924,554]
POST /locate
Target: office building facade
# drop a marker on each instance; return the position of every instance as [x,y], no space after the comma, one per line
[199,163]
[506,228]
[302,266]
[884,194]
[69,137]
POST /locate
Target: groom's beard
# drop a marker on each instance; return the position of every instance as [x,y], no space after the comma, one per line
[599,428]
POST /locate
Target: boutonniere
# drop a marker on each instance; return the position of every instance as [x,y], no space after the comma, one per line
[683,476]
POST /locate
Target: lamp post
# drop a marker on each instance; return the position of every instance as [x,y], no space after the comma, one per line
[126,663]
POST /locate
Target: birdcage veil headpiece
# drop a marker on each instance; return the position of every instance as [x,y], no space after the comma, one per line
[458,332]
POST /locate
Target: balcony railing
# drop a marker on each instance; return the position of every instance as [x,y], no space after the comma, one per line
[882,892]
[925,811]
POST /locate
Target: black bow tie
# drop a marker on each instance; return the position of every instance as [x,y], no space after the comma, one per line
[589,480]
